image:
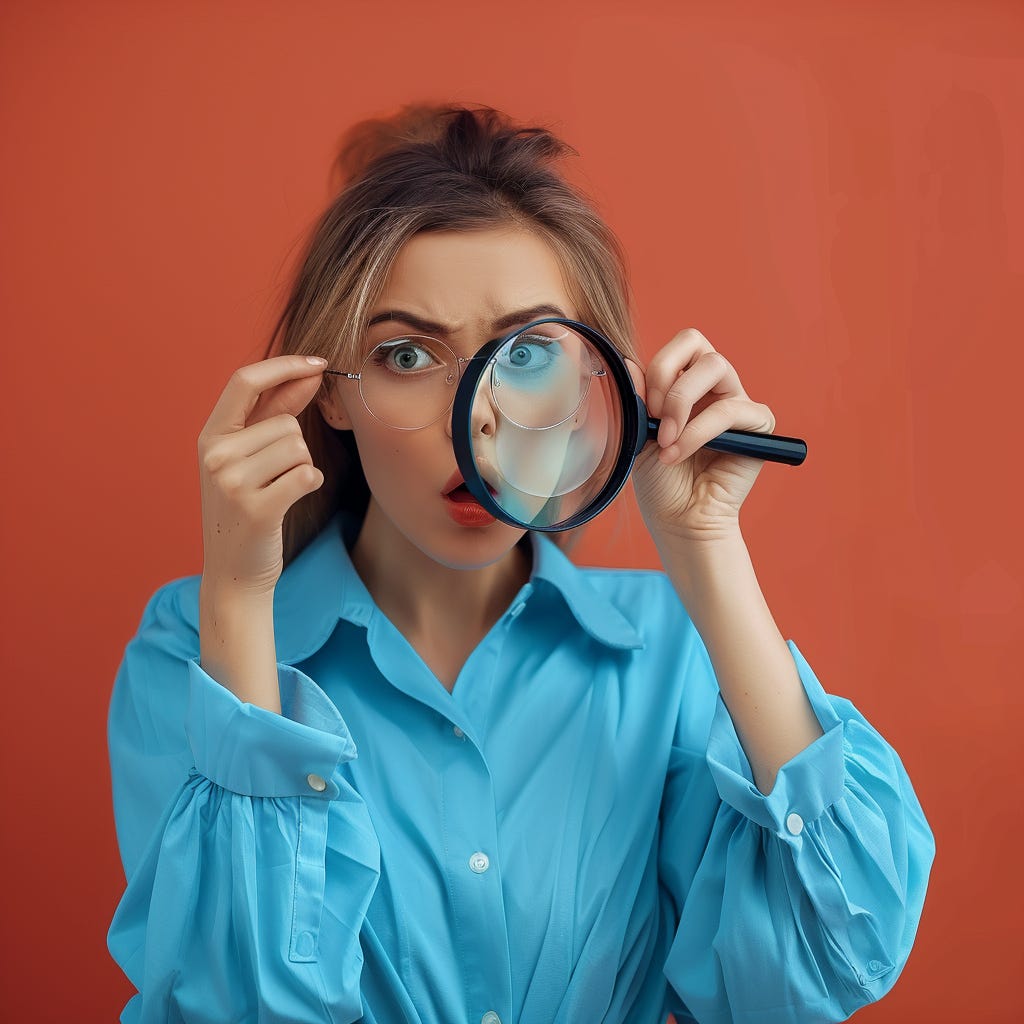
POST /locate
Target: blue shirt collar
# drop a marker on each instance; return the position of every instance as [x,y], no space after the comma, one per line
[321,586]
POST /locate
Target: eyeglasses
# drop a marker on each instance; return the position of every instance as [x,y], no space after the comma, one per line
[538,377]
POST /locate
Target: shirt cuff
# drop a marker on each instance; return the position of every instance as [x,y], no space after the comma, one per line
[255,752]
[805,785]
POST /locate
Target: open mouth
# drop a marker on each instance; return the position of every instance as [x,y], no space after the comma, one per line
[456,488]
[463,508]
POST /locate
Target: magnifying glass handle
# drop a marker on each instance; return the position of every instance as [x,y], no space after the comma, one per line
[790,451]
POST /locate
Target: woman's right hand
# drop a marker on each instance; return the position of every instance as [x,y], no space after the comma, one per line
[253,466]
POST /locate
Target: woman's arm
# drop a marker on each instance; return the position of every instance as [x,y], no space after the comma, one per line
[759,682]
[797,905]
[236,640]
[223,810]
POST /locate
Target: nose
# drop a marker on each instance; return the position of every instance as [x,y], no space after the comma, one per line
[483,417]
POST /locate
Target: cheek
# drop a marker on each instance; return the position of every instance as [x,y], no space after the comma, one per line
[392,461]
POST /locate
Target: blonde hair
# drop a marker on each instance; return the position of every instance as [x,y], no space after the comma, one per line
[429,168]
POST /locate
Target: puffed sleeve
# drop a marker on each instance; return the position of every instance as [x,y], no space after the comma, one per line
[796,906]
[222,811]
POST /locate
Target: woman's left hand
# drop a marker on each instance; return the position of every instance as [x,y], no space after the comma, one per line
[685,490]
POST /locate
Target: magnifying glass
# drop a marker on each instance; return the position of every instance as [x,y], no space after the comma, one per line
[547,424]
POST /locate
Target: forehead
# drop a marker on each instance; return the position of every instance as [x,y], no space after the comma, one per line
[467,279]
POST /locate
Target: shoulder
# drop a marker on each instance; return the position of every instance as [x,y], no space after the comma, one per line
[170,618]
[645,597]
[679,683]
[150,693]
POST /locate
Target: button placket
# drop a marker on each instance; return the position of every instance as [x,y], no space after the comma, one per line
[473,872]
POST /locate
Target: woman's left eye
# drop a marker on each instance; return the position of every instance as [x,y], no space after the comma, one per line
[528,352]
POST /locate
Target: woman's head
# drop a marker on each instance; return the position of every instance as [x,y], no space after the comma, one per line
[421,193]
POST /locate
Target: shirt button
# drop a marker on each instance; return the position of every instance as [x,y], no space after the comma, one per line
[516,609]
[316,782]
[795,824]
[479,862]
[458,732]
[490,1017]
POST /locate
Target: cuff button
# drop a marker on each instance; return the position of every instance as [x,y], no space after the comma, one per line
[795,824]
[316,782]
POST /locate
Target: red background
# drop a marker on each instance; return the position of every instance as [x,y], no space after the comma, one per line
[829,192]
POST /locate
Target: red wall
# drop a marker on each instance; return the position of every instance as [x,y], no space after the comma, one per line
[830,193]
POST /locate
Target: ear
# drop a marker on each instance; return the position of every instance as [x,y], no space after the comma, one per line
[332,408]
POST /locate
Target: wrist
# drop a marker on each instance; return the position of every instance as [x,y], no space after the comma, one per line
[704,565]
[214,589]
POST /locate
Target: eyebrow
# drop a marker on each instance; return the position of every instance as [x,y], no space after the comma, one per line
[500,325]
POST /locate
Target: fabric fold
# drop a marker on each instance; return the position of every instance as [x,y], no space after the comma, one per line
[805,904]
[256,752]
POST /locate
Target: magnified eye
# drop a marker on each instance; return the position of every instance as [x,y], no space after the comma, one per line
[532,352]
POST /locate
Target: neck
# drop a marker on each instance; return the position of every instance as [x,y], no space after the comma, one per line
[424,597]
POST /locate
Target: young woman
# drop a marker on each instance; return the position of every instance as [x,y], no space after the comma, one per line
[388,759]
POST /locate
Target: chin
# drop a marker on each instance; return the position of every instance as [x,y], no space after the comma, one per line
[467,548]
[473,548]
[438,536]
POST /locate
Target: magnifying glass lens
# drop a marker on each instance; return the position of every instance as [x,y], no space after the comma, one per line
[548,425]
[540,377]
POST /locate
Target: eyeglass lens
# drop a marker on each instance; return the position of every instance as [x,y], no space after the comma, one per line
[537,379]
[409,382]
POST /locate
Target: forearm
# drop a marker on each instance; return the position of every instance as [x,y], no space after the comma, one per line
[236,643]
[754,667]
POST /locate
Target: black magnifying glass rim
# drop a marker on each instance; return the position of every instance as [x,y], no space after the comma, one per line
[634,425]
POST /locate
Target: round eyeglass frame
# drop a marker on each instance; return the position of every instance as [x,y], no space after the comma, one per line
[456,359]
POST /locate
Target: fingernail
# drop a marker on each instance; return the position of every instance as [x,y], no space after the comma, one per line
[667,432]
[316,360]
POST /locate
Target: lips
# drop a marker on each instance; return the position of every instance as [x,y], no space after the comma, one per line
[457,480]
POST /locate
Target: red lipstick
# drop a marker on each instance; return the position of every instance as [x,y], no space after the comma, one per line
[462,506]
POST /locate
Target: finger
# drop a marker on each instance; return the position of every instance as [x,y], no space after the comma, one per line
[258,436]
[289,398]
[672,359]
[712,377]
[727,414]
[247,383]
[263,467]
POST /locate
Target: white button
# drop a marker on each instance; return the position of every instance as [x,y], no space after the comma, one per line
[458,732]
[479,862]
[795,824]
[517,609]
[490,1017]
[315,782]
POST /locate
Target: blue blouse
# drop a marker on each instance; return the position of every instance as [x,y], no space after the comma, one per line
[573,834]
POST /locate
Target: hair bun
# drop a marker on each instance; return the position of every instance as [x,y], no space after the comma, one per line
[460,131]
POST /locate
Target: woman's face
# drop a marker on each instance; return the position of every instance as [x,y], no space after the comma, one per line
[463,288]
